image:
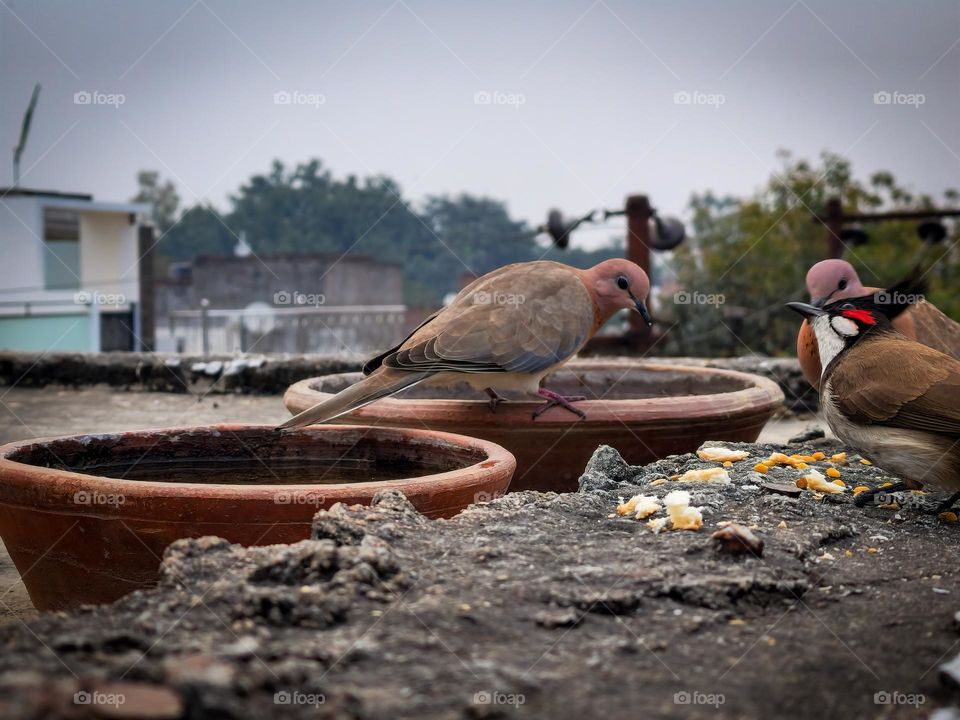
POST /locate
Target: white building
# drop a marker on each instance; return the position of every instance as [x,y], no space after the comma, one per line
[70,276]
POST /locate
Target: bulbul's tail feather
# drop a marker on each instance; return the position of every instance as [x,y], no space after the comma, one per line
[371,388]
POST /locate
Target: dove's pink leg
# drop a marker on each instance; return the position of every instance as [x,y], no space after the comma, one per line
[563,401]
[495,398]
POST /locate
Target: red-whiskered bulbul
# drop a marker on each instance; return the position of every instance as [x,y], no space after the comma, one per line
[834,280]
[891,398]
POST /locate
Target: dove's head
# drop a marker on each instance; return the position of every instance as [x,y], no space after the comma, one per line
[617,284]
[831,280]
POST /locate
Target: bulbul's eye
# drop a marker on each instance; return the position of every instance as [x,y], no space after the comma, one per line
[843,284]
[622,282]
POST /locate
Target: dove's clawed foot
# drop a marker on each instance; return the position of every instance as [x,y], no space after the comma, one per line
[556,399]
[495,398]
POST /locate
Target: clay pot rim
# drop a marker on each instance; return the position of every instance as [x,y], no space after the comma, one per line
[58,484]
[759,393]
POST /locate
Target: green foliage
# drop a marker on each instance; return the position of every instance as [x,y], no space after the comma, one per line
[754,254]
[162,196]
[199,231]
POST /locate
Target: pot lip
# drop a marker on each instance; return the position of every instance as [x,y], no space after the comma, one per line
[759,394]
[54,483]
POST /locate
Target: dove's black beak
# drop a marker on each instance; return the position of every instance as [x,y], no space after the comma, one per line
[806,309]
[642,309]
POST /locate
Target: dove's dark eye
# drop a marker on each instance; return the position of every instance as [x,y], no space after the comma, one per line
[843,284]
[622,282]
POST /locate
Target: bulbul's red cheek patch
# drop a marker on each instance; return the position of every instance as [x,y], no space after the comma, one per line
[863,316]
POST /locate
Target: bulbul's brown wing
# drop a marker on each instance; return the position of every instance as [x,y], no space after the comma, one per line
[897,382]
[525,318]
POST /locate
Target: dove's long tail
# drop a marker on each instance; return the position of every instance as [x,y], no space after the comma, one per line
[373,387]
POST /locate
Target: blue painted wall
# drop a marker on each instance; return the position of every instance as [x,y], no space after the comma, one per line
[45,333]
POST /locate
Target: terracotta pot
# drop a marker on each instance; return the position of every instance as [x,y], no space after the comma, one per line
[79,533]
[643,409]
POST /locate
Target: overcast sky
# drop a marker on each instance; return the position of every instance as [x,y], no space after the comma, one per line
[580,106]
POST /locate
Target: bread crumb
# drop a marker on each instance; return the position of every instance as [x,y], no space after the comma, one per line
[657,525]
[682,516]
[719,453]
[716,474]
[815,482]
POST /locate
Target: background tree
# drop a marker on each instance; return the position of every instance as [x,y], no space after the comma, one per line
[161,195]
[754,252]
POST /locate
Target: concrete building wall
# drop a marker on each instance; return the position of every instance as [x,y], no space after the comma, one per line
[21,246]
[108,254]
[238,282]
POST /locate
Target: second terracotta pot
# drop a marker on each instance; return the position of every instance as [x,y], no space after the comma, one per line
[645,410]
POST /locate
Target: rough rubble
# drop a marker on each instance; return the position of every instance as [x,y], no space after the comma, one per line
[534,605]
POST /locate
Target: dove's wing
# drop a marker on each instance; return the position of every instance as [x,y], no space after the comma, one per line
[525,318]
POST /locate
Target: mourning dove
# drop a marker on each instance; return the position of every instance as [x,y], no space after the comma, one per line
[832,280]
[505,331]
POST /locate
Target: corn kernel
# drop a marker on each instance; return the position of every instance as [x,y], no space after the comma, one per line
[761,468]
[833,472]
[802,483]
[839,457]
[728,464]
[782,524]
[864,461]
[950,517]
[801,466]
[872,550]
[841,483]
[859,489]
[886,484]
[818,455]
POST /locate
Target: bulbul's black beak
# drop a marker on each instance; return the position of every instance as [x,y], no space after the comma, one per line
[642,309]
[806,309]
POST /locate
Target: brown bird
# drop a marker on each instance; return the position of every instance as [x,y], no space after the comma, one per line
[505,331]
[832,280]
[889,397]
